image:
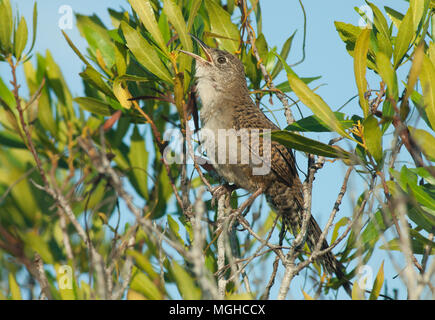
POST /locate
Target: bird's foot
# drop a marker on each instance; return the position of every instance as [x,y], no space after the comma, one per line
[219,191]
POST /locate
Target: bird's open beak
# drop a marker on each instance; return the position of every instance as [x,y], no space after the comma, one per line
[204,47]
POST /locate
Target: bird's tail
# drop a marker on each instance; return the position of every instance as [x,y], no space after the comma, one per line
[328,260]
[289,203]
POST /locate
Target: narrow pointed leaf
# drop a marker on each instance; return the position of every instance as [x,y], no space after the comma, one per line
[360,67]
[313,101]
[404,38]
[377,285]
[301,143]
[427,77]
[284,54]
[145,53]
[373,137]
[221,24]
[20,38]
[145,11]
[14,288]
[6,27]
[95,106]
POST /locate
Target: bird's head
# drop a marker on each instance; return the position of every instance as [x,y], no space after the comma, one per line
[220,72]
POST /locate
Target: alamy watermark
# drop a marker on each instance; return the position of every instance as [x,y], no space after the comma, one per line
[67,18]
[251,147]
[366,20]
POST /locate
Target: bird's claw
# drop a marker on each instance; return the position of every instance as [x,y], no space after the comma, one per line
[219,191]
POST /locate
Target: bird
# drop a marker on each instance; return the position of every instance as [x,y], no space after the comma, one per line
[227,107]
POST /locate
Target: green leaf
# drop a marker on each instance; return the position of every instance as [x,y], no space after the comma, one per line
[284,54]
[357,292]
[145,53]
[93,77]
[11,140]
[77,52]
[141,283]
[313,101]
[196,4]
[185,283]
[39,245]
[14,288]
[35,24]
[418,246]
[427,77]
[349,34]
[360,67]
[285,86]
[395,16]
[425,140]
[145,11]
[20,38]
[418,101]
[95,106]
[6,27]
[138,157]
[418,8]
[143,262]
[175,228]
[377,285]
[220,22]
[175,17]
[6,95]
[373,137]
[301,143]
[315,124]
[98,39]
[121,92]
[380,22]
[404,38]
[341,223]
[386,71]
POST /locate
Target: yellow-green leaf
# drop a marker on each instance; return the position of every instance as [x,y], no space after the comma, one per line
[404,38]
[377,285]
[196,4]
[307,296]
[185,283]
[122,93]
[221,24]
[373,137]
[138,157]
[425,140]
[141,283]
[14,288]
[145,53]
[415,70]
[20,38]
[301,143]
[360,67]
[95,106]
[175,17]
[386,71]
[6,26]
[341,223]
[357,293]
[145,11]
[313,101]
[427,77]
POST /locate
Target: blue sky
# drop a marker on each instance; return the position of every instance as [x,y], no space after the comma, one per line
[325,56]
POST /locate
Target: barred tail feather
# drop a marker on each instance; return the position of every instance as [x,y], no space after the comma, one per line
[328,260]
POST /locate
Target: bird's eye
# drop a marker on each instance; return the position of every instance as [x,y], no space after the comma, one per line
[221,60]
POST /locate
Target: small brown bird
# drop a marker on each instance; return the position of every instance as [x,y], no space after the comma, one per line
[228,108]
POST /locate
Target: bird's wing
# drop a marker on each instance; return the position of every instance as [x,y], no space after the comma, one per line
[283,163]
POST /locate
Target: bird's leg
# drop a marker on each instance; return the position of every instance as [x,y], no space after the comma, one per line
[221,190]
